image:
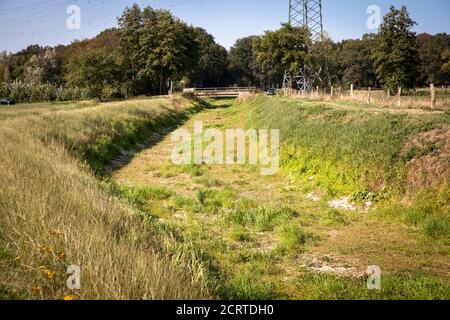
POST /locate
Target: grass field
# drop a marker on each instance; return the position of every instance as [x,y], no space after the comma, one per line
[55,213]
[264,237]
[153,230]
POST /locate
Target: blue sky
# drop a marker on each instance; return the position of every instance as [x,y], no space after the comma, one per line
[43,22]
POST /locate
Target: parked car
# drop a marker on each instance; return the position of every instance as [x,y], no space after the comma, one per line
[7,101]
[271,91]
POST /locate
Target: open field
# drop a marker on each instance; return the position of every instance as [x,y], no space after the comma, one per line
[92,185]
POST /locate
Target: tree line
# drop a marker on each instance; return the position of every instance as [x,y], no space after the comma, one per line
[152,52]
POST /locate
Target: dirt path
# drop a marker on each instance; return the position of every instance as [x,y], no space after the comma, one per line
[207,205]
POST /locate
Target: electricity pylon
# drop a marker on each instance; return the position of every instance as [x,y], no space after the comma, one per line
[305,13]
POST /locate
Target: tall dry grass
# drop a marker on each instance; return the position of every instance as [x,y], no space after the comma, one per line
[54,213]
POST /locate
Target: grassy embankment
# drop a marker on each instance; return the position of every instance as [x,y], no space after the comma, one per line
[256,235]
[402,157]
[262,237]
[55,213]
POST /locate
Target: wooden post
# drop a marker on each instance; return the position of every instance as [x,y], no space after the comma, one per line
[171,88]
[399,97]
[368,95]
[339,92]
[433,96]
[332,92]
[317,91]
[351,91]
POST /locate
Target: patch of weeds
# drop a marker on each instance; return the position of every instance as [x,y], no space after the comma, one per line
[168,171]
[292,238]
[192,169]
[212,200]
[209,182]
[240,233]
[261,217]
[436,227]
[141,195]
[263,264]
[428,211]
[243,287]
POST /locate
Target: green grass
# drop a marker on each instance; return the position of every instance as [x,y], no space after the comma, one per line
[393,287]
[244,287]
[356,153]
[347,151]
[292,238]
[55,212]
[141,195]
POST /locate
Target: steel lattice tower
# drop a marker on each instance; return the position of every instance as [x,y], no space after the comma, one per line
[306,13]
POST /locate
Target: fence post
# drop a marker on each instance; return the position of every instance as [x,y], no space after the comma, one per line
[332,92]
[339,92]
[433,96]
[399,95]
[351,91]
[317,91]
[368,95]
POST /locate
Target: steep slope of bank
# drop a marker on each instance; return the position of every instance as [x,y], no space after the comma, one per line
[56,214]
[365,154]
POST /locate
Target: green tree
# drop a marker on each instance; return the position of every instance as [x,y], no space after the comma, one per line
[431,50]
[356,63]
[446,66]
[284,49]
[130,28]
[168,47]
[156,49]
[211,63]
[242,62]
[44,67]
[395,54]
[94,70]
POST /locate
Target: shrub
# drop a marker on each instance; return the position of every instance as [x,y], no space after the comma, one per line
[292,237]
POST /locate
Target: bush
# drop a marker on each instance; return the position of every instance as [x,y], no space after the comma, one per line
[24,92]
[42,92]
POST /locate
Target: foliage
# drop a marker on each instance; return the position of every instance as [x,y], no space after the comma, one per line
[242,62]
[284,49]
[26,92]
[432,54]
[151,51]
[356,62]
[94,70]
[209,69]
[395,53]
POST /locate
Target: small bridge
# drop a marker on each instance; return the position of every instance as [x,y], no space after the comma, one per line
[225,92]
